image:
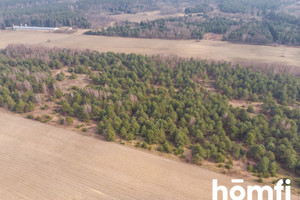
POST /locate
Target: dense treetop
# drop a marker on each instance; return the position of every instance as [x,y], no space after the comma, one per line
[163,102]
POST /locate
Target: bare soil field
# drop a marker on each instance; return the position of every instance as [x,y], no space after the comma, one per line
[143,16]
[279,57]
[40,162]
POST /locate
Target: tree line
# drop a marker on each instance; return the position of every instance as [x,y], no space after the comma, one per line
[41,13]
[170,28]
[254,7]
[46,15]
[199,8]
[277,28]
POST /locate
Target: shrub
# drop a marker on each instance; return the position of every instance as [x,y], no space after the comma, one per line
[250,109]
[196,158]
[228,166]
[167,147]
[144,145]
[160,148]
[79,126]
[60,76]
[244,158]
[110,135]
[267,175]
[84,130]
[250,168]
[69,120]
[179,150]
[73,76]
[29,116]
[45,107]
[121,142]
[219,158]
[61,120]
[48,117]
[38,118]
[138,144]
[182,156]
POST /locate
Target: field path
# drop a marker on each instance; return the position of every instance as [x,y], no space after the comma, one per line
[42,162]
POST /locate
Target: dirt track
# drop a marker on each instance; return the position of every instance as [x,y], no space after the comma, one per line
[38,162]
[205,49]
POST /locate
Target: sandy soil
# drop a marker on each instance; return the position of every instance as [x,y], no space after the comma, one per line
[212,37]
[143,16]
[40,162]
[80,81]
[279,56]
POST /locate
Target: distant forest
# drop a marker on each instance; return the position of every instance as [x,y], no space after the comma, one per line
[40,13]
[255,7]
[274,27]
[257,22]
[163,101]
[71,13]
[171,28]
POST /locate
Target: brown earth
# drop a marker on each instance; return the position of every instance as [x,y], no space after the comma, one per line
[279,57]
[40,162]
[76,40]
[143,16]
[80,81]
[213,37]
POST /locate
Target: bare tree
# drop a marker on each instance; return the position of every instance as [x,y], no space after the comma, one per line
[133,98]
[87,109]
[27,85]
[45,88]
[39,99]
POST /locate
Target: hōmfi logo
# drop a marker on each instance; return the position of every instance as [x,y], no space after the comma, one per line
[250,190]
